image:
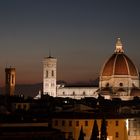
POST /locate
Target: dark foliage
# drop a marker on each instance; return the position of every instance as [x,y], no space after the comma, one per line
[81,135]
[95,132]
[103,130]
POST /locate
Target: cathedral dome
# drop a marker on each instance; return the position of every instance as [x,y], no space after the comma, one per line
[119,63]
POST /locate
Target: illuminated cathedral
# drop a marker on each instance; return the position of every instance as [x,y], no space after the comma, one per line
[119,78]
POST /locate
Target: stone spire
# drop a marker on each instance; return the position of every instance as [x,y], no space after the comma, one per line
[119,48]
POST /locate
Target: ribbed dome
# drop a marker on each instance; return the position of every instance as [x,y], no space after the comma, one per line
[119,64]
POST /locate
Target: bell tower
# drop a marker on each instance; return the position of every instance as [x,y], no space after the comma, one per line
[49,76]
[10,76]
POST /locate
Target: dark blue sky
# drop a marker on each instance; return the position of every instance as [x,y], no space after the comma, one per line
[80,33]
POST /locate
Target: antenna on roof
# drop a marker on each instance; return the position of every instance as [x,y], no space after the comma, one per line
[6,65]
[50,52]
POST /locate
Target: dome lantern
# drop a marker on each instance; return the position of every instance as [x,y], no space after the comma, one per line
[119,48]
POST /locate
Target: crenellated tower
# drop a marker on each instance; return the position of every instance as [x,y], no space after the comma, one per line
[10,77]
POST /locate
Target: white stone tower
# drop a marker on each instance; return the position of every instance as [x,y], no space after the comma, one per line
[49,76]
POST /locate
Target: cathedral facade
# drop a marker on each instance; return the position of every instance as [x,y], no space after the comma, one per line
[119,78]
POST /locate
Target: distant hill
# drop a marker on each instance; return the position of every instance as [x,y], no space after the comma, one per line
[26,89]
[94,82]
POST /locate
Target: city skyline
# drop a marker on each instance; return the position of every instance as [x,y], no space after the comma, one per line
[78,33]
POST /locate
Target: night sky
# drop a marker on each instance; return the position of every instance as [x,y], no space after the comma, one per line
[81,34]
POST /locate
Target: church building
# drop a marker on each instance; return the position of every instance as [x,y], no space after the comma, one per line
[119,78]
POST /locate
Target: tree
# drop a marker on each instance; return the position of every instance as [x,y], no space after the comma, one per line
[81,134]
[95,132]
[103,130]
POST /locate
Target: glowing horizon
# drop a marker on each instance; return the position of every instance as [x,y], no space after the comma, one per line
[81,35]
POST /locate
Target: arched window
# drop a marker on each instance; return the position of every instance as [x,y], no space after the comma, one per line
[12,78]
[46,74]
[52,73]
[73,93]
[84,93]
[107,84]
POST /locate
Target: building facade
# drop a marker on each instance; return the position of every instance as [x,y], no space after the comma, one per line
[116,128]
[77,92]
[134,129]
